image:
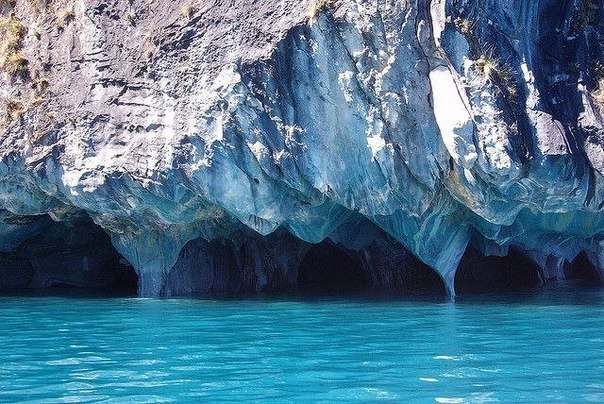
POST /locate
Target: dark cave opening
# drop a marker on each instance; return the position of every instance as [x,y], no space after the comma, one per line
[74,257]
[281,265]
[478,273]
[328,269]
[582,271]
[205,268]
[418,278]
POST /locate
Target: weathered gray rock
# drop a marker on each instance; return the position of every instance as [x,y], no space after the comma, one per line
[441,123]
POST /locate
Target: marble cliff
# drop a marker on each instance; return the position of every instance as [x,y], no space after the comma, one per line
[260,145]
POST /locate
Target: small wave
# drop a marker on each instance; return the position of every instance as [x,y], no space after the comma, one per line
[447,358]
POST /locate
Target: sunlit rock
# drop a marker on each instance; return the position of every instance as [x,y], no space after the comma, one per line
[218,149]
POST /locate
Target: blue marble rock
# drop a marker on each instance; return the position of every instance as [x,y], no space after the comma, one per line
[217,149]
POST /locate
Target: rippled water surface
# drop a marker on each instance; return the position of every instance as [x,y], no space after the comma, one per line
[540,347]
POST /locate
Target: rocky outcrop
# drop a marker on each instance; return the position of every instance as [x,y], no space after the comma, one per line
[217,142]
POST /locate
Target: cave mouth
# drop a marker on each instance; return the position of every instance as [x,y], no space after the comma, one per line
[330,270]
[582,272]
[74,258]
[360,261]
[478,273]
[419,279]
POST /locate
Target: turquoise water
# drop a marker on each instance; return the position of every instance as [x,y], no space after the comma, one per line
[538,347]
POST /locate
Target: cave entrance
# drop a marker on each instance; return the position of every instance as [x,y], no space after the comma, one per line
[206,268]
[419,279]
[328,269]
[478,273]
[74,257]
[582,272]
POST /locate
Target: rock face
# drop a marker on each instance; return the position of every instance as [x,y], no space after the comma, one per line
[218,143]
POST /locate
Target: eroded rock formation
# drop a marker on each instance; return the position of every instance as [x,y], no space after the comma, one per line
[216,142]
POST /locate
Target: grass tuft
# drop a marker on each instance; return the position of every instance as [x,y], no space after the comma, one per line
[497,73]
[12,32]
[14,64]
[188,10]
[64,17]
[598,94]
[465,26]
[14,110]
[317,7]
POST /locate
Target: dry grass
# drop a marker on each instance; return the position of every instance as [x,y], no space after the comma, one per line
[149,48]
[598,94]
[38,5]
[497,72]
[465,26]
[65,16]
[317,7]
[188,10]
[14,63]
[14,110]
[36,102]
[488,66]
[12,32]
[41,86]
